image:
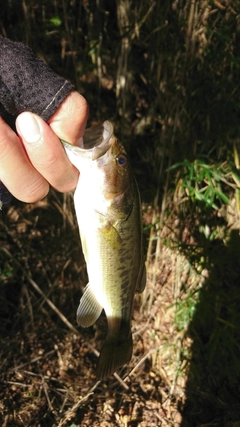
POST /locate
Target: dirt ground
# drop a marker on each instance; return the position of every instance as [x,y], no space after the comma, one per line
[47,363]
[185,367]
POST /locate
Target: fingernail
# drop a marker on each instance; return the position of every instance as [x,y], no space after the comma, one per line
[28,127]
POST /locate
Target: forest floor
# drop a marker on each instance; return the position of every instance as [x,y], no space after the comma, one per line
[47,375]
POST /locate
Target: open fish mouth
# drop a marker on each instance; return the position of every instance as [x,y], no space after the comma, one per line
[96,141]
[97,135]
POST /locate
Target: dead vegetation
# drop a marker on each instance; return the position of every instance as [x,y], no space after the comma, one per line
[47,364]
[185,365]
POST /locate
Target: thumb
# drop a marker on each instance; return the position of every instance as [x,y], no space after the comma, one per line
[69,121]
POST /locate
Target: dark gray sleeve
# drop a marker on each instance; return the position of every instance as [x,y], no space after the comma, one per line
[27,84]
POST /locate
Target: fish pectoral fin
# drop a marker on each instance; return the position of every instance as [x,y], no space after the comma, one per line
[111,235]
[89,308]
[142,278]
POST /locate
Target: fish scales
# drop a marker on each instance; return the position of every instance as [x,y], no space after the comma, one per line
[108,211]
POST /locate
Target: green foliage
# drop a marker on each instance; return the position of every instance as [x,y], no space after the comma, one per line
[56,21]
[185,309]
[202,181]
[6,269]
[6,272]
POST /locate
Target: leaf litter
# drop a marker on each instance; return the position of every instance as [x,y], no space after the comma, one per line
[47,363]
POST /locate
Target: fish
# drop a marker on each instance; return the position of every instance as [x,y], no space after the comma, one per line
[108,210]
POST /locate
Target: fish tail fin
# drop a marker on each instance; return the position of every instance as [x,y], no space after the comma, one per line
[113,355]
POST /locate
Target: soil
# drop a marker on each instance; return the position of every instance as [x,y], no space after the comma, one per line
[47,362]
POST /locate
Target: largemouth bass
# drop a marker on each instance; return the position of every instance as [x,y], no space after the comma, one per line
[108,211]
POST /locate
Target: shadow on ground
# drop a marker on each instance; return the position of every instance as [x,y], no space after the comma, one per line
[213,386]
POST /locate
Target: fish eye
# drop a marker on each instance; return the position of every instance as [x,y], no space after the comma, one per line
[121,160]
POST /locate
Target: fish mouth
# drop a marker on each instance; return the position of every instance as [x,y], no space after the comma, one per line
[99,139]
[96,141]
[97,135]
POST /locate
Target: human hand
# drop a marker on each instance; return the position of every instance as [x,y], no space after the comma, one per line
[35,160]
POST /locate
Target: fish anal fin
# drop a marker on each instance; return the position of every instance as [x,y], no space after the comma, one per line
[89,308]
[113,355]
[141,284]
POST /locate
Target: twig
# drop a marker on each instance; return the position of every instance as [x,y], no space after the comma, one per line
[71,412]
[47,378]
[64,403]
[45,389]
[178,363]
[17,383]
[40,292]
[121,381]
[32,361]
[33,374]
[139,24]
[141,361]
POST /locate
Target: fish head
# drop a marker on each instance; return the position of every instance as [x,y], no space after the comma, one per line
[115,167]
[106,166]
[116,182]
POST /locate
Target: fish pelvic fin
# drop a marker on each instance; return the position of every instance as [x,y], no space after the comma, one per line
[89,308]
[113,355]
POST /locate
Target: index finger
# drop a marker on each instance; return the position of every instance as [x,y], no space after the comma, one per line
[69,121]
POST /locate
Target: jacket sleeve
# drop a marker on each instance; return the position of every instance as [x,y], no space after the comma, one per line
[27,84]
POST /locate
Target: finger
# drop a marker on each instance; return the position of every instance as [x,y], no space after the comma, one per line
[16,172]
[46,152]
[70,119]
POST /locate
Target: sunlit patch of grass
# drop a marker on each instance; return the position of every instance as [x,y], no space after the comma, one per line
[207,306]
[206,181]
[198,264]
[185,309]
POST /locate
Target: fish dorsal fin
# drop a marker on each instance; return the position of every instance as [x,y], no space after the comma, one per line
[141,279]
[89,308]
